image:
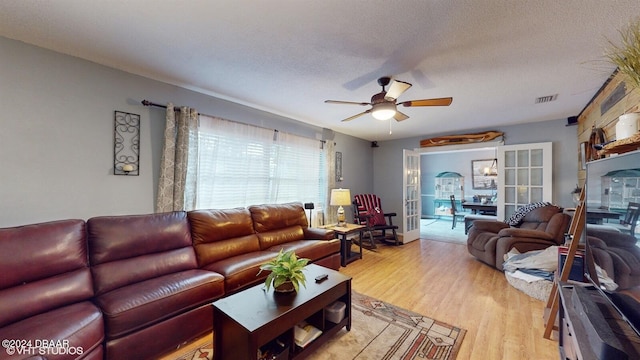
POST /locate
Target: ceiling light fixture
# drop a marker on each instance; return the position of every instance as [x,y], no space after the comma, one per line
[491,170]
[384,110]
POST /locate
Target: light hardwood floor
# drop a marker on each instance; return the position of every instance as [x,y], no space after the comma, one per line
[441,280]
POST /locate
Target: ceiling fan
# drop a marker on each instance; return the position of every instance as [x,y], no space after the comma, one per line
[383,104]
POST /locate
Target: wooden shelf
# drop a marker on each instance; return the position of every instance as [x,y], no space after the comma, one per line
[623,146]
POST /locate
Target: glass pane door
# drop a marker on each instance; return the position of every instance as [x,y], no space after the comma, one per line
[524,176]
[411,194]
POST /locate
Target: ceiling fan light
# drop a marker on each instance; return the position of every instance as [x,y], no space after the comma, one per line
[384,110]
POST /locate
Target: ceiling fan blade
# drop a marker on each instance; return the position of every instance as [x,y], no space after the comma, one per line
[346,102]
[428,102]
[396,89]
[357,115]
[400,116]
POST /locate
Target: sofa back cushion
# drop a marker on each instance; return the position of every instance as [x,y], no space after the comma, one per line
[43,266]
[124,250]
[220,234]
[278,223]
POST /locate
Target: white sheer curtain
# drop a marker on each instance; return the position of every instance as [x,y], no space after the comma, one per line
[179,163]
[241,165]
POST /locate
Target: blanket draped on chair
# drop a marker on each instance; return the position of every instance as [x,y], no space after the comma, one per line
[516,218]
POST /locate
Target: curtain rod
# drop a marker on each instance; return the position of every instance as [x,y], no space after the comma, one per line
[149,103]
[177,108]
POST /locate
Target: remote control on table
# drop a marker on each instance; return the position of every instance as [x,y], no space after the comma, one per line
[321,278]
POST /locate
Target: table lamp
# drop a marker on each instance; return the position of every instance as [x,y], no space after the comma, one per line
[340,197]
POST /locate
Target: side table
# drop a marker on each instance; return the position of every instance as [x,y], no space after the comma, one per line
[341,232]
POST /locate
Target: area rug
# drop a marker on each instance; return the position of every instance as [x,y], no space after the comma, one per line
[539,289]
[379,331]
[440,230]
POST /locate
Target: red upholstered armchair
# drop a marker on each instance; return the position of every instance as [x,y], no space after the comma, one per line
[540,228]
[367,211]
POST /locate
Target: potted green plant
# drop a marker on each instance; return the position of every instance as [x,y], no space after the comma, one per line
[576,194]
[626,56]
[286,272]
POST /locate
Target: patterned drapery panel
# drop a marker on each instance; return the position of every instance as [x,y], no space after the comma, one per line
[178,167]
[330,214]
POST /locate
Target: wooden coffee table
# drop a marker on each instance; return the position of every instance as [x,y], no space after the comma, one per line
[250,319]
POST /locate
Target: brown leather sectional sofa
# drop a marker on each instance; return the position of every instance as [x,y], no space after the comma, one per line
[134,287]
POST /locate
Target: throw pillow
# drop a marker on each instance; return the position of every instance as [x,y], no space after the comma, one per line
[516,218]
[378,216]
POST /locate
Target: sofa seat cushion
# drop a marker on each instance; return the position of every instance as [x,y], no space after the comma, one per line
[240,271]
[140,305]
[310,249]
[81,324]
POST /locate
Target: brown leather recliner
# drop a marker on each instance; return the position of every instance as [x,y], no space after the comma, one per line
[542,227]
[148,285]
[617,254]
[46,292]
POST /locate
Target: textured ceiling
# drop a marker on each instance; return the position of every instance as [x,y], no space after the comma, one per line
[493,57]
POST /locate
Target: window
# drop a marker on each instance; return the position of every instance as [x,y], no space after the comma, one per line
[241,165]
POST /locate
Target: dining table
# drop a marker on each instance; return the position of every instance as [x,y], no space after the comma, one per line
[597,215]
[488,208]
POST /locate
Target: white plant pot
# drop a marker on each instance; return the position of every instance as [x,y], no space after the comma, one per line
[627,125]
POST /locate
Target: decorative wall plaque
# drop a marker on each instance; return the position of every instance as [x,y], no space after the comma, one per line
[126,144]
[338,166]
[615,96]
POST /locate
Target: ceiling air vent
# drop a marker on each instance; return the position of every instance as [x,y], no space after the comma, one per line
[545,99]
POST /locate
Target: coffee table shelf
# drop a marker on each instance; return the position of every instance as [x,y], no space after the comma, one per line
[248,320]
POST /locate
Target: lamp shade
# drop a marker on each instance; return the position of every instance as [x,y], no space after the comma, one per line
[340,197]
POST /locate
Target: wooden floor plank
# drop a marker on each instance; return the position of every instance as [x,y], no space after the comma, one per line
[441,280]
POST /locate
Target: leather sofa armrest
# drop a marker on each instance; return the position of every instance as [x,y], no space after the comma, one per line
[489,226]
[525,233]
[318,234]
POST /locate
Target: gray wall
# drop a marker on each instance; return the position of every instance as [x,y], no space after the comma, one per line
[56,143]
[387,160]
[357,162]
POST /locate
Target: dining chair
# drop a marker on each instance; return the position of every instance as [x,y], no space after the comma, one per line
[628,223]
[454,212]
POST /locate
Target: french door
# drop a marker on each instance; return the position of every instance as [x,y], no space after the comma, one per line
[411,212]
[524,176]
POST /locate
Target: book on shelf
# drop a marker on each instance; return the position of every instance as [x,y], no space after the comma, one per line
[305,333]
